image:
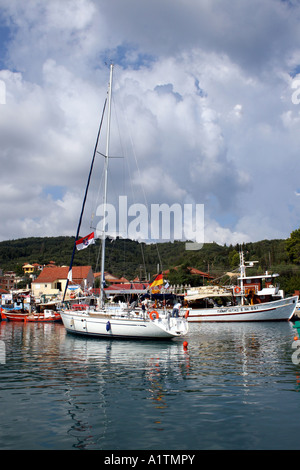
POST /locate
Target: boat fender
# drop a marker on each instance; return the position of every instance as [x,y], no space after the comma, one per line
[237,290]
[108,326]
[187,314]
[154,312]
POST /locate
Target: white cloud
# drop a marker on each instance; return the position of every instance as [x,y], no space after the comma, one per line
[203,94]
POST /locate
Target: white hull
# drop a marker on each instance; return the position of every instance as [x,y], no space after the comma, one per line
[277,310]
[118,326]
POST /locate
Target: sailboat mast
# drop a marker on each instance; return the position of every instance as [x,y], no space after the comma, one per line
[105,186]
[243,274]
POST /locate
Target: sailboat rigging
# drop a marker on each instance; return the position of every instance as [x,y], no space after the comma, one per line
[117,321]
[83,204]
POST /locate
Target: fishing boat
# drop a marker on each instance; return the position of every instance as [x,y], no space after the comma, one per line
[121,320]
[256,298]
[47,316]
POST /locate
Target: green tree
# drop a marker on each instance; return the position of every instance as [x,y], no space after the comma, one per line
[234,259]
[293,246]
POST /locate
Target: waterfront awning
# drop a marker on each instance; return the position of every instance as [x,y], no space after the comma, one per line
[204,292]
[127,288]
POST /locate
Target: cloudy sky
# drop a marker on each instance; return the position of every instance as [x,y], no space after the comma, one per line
[205,91]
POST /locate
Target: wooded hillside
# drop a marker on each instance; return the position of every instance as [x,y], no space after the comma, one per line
[132,259]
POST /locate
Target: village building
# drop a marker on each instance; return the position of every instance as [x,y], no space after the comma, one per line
[31,270]
[7,280]
[52,280]
[37,266]
[115,285]
[28,268]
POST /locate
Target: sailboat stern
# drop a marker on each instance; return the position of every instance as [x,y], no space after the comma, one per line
[173,326]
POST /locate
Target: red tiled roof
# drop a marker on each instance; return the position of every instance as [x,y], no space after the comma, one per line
[132,286]
[192,271]
[52,274]
[122,280]
[111,278]
[108,277]
[196,271]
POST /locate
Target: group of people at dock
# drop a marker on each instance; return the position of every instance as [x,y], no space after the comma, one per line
[175,311]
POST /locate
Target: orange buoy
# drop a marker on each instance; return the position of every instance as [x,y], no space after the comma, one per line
[185,345]
[154,312]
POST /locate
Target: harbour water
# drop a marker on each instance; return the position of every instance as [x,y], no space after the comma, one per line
[236,387]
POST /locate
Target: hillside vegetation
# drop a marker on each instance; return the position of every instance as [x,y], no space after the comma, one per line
[132,259]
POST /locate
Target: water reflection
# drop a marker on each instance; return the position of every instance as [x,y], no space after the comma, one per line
[132,378]
[87,393]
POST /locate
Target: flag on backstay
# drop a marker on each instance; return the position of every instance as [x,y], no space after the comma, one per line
[81,244]
[84,242]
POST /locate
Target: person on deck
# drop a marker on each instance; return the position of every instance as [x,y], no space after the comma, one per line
[176,308]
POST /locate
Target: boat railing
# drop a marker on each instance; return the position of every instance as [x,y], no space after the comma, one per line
[246,290]
[79,307]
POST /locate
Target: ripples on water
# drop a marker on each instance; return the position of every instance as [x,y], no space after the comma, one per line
[235,388]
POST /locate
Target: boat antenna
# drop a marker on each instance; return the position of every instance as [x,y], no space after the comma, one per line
[84,201]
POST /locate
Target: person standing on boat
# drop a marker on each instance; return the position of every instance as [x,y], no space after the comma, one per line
[145,304]
[176,308]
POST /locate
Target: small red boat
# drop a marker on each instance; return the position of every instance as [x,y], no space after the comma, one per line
[46,316]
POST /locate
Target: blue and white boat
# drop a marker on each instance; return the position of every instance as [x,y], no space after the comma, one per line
[256,298]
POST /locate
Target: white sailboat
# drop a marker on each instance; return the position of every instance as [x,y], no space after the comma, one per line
[255,299]
[119,321]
